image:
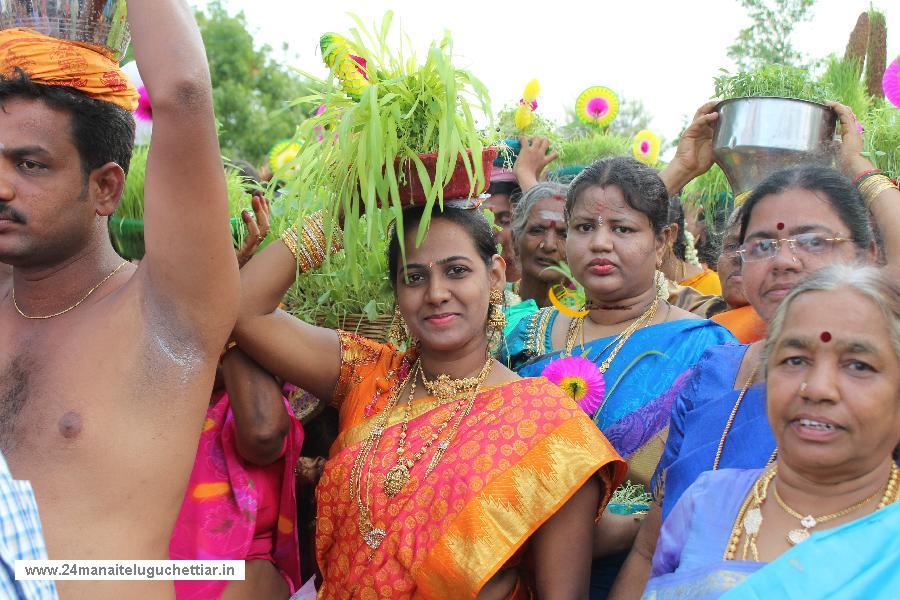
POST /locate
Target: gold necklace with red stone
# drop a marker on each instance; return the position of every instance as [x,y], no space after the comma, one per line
[399,475]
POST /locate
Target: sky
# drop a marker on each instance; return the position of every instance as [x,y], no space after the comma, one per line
[663,52]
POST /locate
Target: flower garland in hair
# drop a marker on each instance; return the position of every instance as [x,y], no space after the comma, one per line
[597,106]
[527,105]
[690,251]
[646,147]
[580,379]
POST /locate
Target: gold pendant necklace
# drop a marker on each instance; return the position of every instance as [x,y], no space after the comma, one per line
[807,522]
[74,306]
[399,475]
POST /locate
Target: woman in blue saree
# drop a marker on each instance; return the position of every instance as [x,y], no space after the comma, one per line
[617,234]
[833,371]
[796,222]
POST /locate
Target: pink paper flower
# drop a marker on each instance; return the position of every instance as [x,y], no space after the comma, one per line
[144,111]
[580,379]
[890,83]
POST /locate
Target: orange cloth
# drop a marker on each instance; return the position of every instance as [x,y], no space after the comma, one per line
[706,282]
[744,323]
[51,61]
[518,456]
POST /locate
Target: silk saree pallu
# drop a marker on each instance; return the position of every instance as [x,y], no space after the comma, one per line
[518,456]
[634,414]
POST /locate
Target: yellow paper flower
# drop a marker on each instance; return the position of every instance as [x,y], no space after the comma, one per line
[597,105]
[282,153]
[341,58]
[646,147]
[524,117]
[532,89]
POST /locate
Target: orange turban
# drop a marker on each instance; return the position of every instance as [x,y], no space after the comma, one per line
[51,61]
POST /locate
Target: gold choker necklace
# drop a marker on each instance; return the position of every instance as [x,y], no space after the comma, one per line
[444,388]
[74,306]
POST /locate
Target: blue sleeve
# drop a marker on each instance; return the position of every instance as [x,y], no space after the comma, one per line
[512,350]
[675,530]
[687,385]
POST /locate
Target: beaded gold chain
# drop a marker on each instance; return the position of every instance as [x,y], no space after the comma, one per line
[730,421]
[576,326]
[399,475]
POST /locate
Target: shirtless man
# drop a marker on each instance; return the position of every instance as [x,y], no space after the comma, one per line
[101,406]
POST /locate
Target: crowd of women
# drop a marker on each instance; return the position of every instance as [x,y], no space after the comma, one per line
[757,397]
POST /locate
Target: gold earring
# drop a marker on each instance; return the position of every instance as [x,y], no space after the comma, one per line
[496,314]
[398,331]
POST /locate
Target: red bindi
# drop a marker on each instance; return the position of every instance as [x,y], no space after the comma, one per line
[780,226]
[825,337]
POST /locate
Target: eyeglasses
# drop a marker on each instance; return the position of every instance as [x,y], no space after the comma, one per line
[805,243]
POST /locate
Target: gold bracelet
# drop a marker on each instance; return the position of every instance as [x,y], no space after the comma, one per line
[871,187]
[289,237]
[308,245]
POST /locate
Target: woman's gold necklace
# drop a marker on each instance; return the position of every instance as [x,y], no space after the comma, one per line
[807,522]
[576,327]
[749,519]
[730,421]
[74,306]
[399,475]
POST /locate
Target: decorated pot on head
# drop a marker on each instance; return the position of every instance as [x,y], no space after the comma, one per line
[99,23]
[757,136]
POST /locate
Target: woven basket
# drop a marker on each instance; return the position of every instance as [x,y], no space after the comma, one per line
[374,330]
[412,193]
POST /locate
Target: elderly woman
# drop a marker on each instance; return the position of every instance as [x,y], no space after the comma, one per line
[832,362]
[539,236]
[617,219]
[796,222]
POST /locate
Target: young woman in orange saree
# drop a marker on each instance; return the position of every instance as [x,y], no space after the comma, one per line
[451,476]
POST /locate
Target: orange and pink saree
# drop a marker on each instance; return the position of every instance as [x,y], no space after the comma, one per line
[520,454]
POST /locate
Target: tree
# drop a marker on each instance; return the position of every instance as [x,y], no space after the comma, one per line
[767,40]
[251,91]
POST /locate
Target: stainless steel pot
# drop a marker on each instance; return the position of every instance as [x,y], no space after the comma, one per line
[97,22]
[757,136]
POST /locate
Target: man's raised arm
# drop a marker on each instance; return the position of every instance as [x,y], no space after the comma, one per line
[190,259]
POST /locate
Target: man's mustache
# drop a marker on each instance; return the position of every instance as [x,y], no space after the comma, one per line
[8,212]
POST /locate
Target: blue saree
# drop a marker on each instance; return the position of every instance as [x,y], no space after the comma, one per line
[635,413]
[703,400]
[856,560]
[688,560]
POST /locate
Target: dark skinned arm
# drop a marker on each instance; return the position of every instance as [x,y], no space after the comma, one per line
[189,265]
[562,547]
[260,419]
[635,572]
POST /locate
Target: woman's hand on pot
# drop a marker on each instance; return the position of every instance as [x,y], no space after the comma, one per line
[257,228]
[693,157]
[532,160]
[851,162]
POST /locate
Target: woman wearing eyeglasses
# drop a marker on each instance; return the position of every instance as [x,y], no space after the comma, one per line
[796,222]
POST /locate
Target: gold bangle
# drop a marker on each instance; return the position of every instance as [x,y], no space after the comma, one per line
[308,243]
[289,237]
[871,187]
